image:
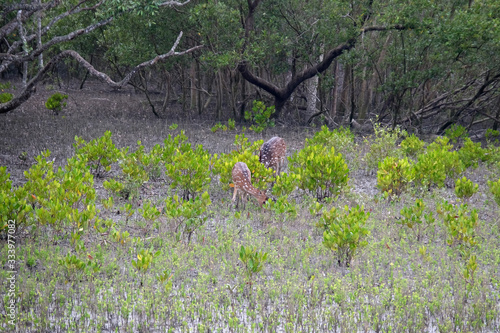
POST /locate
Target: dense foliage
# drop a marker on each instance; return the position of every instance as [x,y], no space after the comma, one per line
[431,67]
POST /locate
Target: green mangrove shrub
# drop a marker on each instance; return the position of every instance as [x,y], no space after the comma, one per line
[61,198]
[188,216]
[283,209]
[437,164]
[456,133]
[145,259]
[150,213]
[190,171]
[260,116]
[15,208]
[394,176]
[319,170]
[342,139]
[383,143]
[460,224]
[75,267]
[285,184]
[100,153]
[56,102]
[412,146]
[253,261]
[344,232]
[231,125]
[415,219]
[465,188]
[495,190]
[6,97]
[471,153]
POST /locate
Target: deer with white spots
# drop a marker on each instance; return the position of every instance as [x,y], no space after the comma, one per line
[272,154]
[242,180]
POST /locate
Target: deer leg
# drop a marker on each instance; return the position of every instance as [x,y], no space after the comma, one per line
[235,196]
[244,199]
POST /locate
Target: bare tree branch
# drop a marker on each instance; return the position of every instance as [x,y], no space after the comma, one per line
[55,40]
[30,86]
[28,11]
[30,7]
[174,3]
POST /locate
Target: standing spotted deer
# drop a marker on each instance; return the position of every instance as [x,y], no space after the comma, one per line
[242,180]
[272,154]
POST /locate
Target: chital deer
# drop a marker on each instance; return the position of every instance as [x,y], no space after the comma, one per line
[242,180]
[272,154]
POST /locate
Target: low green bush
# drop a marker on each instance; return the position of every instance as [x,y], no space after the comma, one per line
[394,176]
[413,217]
[465,188]
[342,139]
[190,171]
[253,261]
[56,102]
[344,232]
[6,97]
[285,184]
[438,163]
[495,190]
[412,146]
[62,198]
[15,208]
[188,215]
[100,153]
[471,153]
[461,224]
[319,170]
[383,143]
[456,133]
[260,116]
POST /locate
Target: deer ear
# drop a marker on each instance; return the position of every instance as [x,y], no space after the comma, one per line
[231,185]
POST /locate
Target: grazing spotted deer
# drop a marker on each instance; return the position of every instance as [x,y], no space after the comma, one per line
[242,180]
[272,154]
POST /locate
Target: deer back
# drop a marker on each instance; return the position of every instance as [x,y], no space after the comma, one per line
[272,153]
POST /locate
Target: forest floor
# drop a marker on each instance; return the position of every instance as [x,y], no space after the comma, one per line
[394,283]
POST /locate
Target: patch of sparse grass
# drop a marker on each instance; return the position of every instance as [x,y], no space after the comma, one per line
[413,274]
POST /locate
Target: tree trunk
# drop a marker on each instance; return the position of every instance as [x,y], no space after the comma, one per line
[495,124]
[243,99]
[337,89]
[39,36]
[218,107]
[193,85]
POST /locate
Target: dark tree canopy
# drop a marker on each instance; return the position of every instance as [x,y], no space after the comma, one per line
[421,64]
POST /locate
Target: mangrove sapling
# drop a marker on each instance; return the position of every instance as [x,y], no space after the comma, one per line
[461,224]
[465,189]
[344,232]
[320,171]
[282,209]
[165,278]
[495,190]
[394,176]
[150,214]
[145,259]
[99,153]
[382,144]
[188,215]
[414,218]
[253,261]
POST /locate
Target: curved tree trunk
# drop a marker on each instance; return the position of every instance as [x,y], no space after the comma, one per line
[282,94]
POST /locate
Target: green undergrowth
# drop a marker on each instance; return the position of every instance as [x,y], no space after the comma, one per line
[148,240]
